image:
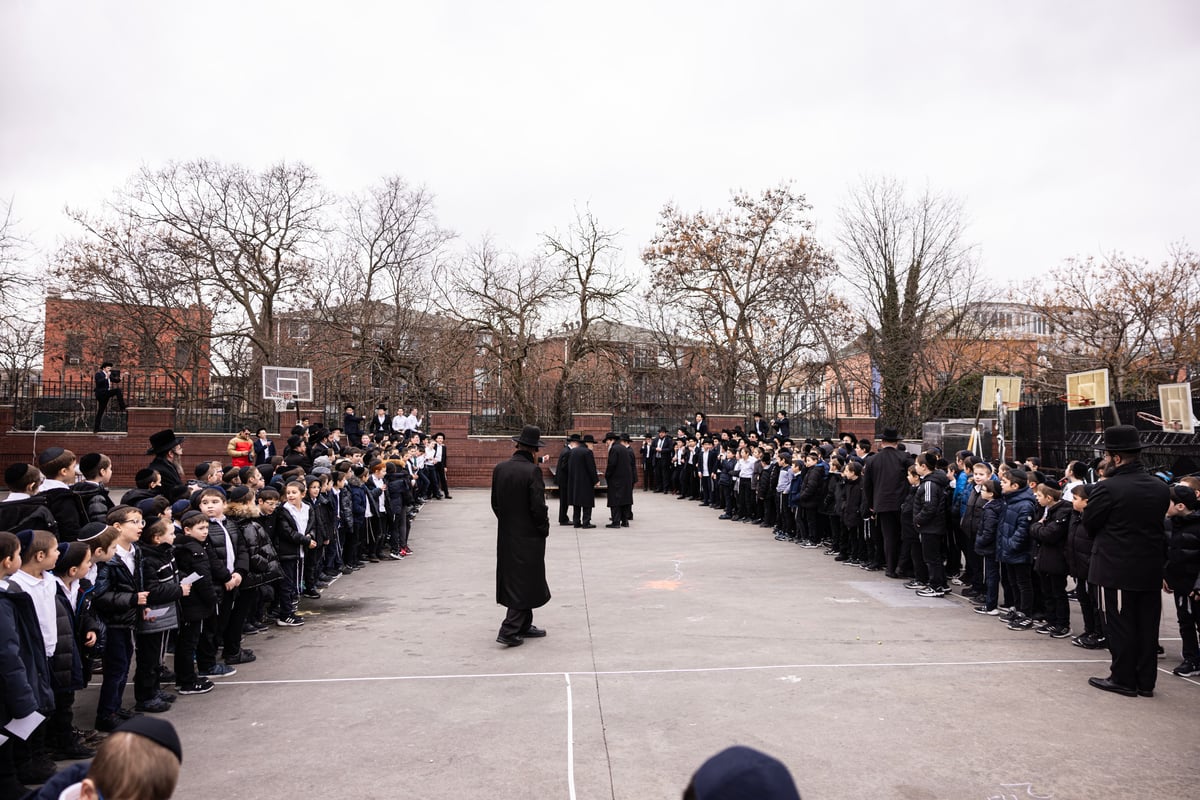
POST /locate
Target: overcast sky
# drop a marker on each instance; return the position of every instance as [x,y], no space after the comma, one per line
[1065,127]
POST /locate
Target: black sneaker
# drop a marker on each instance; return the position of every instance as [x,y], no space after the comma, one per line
[311,594]
[166,697]
[153,706]
[201,686]
[244,657]
[1060,632]
[1187,669]
[290,621]
[1022,623]
[71,750]
[165,675]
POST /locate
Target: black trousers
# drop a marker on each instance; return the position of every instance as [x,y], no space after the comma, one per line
[935,559]
[245,601]
[102,399]
[516,622]
[185,650]
[1131,624]
[149,649]
[563,515]
[582,515]
[887,523]
[1054,593]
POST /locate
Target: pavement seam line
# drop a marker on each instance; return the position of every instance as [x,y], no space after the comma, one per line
[570,739]
[587,614]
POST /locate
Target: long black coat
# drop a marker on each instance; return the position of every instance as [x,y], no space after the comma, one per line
[522,526]
[885,482]
[1124,516]
[582,477]
[619,472]
[171,479]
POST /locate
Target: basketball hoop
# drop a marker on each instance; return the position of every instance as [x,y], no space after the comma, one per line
[1076,400]
[1148,417]
[281,400]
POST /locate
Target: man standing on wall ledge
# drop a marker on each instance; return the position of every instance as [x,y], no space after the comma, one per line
[105,391]
[522,526]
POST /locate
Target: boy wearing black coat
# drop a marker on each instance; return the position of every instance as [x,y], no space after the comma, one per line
[195,556]
[1182,572]
[1050,562]
[25,687]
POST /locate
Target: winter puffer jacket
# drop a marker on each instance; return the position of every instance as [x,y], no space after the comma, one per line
[221,541]
[1079,548]
[66,667]
[972,518]
[115,599]
[25,684]
[852,501]
[262,560]
[32,513]
[1013,544]
[812,490]
[1183,552]
[192,556]
[68,510]
[989,525]
[291,543]
[96,502]
[1050,533]
[930,503]
[908,531]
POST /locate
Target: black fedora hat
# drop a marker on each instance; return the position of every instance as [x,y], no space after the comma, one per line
[531,436]
[574,437]
[1122,439]
[589,439]
[163,441]
[890,435]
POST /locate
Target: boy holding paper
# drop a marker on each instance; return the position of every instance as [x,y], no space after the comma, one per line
[202,570]
[25,690]
[160,615]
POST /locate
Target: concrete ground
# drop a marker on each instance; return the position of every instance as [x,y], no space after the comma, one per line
[668,641]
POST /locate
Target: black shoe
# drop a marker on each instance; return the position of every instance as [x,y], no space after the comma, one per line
[534,632]
[125,713]
[624,524]
[312,594]
[71,750]
[510,641]
[244,657]
[613,525]
[201,686]
[1108,686]
[1145,692]
[165,675]
[108,724]
[153,706]
[39,770]
[587,525]
[166,697]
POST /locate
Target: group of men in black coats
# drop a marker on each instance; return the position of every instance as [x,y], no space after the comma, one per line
[577,479]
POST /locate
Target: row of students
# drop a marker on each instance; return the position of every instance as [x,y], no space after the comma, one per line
[205,571]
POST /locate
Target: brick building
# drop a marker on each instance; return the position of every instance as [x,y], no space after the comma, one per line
[148,344]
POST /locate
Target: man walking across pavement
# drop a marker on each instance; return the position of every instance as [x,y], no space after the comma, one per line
[522,526]
[618,472]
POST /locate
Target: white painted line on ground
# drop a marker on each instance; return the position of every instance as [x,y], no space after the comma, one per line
[570,739]
[1180,677]
[672,671]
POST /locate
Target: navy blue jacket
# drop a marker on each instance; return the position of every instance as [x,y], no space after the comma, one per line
[1013,542]
[24,670]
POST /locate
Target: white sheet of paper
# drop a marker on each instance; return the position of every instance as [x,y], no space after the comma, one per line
[21,728]
[190,579]
[154,613]
[3,738]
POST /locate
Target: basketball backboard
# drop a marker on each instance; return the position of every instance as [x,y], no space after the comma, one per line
[1009,387]
[292,382]
[1087,390]
[1175,407]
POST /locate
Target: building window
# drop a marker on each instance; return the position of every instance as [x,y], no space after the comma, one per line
[74,354]
[183,354]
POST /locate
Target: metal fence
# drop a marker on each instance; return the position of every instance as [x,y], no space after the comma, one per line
[226,404]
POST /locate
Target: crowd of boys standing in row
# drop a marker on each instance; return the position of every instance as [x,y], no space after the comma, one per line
[190,565]
[1007,534]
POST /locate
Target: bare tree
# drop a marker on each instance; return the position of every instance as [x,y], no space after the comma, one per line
[374,305]
[749,282]
[909,263]
[500,301]
[587,255]
[1138,320]
[20,332]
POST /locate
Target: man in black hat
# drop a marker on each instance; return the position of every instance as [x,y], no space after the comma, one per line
[106,391]
[522,526]
[167,449]
[582,480]
[561,471]
[662,449]
[1124,516]
[620,475]
[885,485]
